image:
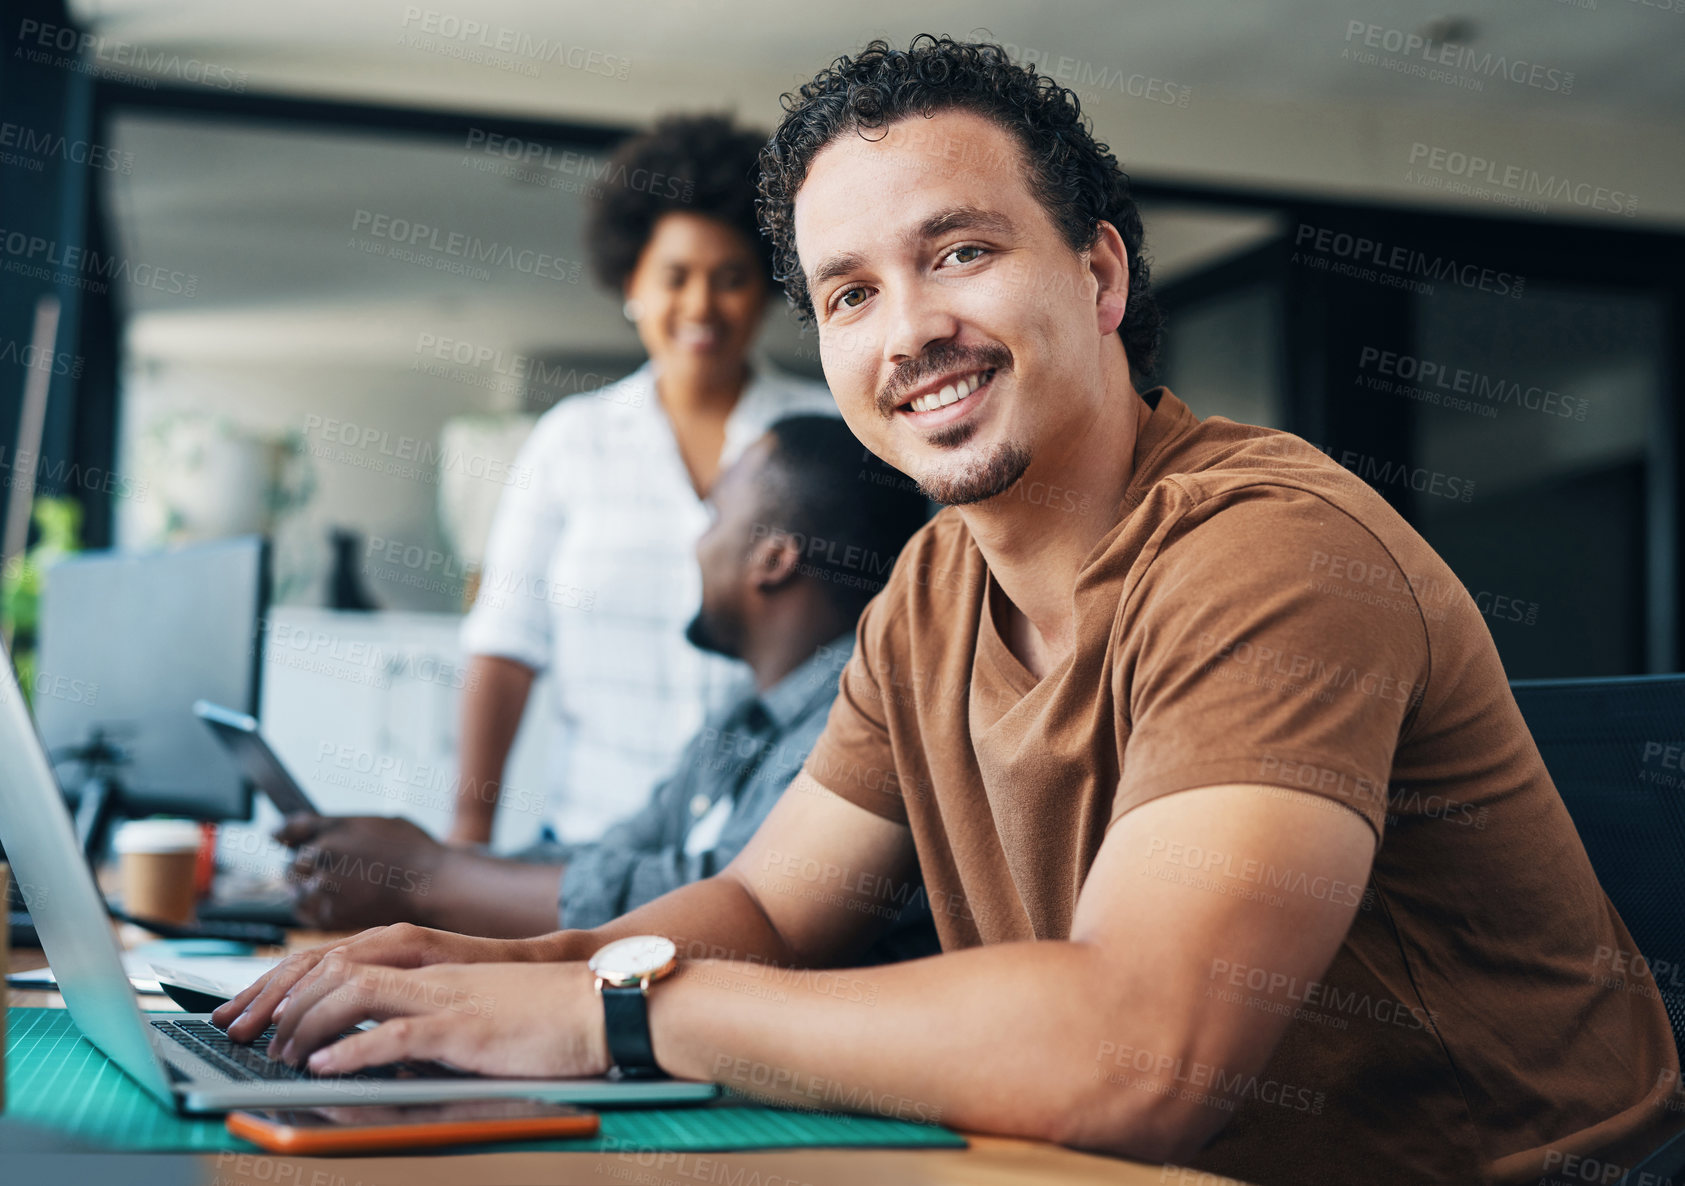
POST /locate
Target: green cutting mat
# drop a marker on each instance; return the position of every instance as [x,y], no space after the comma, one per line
[57,1079]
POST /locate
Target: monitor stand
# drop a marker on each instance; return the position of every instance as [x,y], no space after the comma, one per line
[100,803]
[98,807]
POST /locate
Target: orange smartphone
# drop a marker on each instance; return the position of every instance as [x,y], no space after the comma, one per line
[368,1128]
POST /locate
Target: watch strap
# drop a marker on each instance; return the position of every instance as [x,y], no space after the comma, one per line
[626,1017]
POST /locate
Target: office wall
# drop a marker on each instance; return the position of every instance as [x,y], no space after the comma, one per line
[373,488]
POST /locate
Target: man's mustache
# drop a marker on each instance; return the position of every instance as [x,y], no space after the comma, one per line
[941,360]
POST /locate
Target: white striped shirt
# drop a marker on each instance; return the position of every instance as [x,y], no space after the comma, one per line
[591,575]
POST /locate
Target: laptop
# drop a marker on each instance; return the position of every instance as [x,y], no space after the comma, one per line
[182,1060]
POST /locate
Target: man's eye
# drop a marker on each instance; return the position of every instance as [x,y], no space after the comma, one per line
[844,299]
[957,252]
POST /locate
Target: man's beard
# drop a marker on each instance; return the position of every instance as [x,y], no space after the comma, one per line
[702,635]
[967,481]
[980,480]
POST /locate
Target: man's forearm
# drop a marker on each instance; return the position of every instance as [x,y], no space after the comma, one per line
[475,894]
[1118,1040]
[731,915]
[715,918]
[1008,1039]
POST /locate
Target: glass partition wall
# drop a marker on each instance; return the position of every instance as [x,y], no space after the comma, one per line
[1511,388]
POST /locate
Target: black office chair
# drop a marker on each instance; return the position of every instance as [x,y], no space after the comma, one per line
[1616,750]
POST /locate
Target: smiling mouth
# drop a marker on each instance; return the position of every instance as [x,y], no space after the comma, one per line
[698,336]
[953,393]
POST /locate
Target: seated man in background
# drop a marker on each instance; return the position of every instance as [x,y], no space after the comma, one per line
[806,528]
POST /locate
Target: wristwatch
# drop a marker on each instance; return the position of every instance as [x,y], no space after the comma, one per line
[625,969]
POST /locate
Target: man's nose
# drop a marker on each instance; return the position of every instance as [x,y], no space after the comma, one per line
[917,321]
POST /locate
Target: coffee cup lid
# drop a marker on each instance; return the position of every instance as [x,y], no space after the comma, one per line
[157,835]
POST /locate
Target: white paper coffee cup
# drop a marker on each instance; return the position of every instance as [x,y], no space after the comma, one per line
[156,858]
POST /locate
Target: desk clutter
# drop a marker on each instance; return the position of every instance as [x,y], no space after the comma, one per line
[57,1080]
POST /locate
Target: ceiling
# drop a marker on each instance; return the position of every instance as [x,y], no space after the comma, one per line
[1624,55]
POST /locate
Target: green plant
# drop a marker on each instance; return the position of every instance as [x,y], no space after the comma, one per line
[58,525]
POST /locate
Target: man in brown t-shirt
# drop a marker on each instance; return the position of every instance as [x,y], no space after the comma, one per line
[1239,850]
[1261,618]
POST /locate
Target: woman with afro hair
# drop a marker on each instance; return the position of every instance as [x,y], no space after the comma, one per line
[590,573]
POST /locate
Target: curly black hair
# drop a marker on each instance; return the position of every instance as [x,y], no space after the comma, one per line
[693,164]
[1075,177]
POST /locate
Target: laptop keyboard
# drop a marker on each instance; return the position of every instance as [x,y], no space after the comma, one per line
[250,1062]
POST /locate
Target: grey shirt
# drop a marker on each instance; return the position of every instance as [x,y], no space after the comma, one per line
[748,753]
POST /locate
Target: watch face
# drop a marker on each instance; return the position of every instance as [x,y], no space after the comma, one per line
[632,959]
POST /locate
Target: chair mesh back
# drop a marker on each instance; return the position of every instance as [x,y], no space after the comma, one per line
[1616,750]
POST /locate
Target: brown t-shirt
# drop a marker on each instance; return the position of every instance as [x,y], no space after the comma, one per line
[1260,615]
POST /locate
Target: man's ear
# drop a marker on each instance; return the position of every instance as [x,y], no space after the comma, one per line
[773,561]
[1108,260]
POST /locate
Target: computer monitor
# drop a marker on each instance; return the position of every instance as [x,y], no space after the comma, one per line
[128,643]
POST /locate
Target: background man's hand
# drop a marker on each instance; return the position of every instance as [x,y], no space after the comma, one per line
[360,871]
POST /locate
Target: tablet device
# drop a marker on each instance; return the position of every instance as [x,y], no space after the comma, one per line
[239,733]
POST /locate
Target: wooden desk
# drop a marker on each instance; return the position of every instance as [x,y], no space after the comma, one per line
[990,1161]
